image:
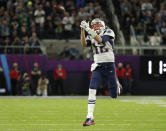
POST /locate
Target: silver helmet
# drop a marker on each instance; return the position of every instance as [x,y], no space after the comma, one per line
[97,25]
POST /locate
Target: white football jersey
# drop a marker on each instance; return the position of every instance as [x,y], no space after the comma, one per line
[103,52]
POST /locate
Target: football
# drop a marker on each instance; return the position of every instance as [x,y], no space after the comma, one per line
[59,8]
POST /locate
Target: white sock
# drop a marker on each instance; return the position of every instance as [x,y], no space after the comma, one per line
[91,103]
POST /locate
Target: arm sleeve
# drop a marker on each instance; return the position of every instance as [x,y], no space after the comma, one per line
[106,38]
[110,33]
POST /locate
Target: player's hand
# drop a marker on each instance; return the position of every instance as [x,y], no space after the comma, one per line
[85,25]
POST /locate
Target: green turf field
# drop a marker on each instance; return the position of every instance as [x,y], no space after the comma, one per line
[52,114]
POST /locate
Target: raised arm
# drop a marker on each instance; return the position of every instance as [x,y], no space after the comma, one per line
[98,38]
[83,40]
[85,26]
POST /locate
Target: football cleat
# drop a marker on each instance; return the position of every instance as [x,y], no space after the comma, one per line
[89,122]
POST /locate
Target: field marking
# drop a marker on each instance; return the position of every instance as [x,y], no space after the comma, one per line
[160,103]
[163,105]
[88,128]
[84,97]
[81,120]
[71,124]
[84,128]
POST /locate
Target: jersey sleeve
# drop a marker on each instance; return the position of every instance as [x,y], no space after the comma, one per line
[105,38]
[88,40]
[110,33]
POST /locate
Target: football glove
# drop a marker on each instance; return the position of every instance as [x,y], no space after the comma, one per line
[85,26]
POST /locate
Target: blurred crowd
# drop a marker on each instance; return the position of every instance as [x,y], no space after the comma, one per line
[40,83]
[34,82]
[26,22]
[124,74]
[148,17]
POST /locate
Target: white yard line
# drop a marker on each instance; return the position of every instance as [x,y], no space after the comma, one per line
[163,105]
[83,97]
[81,120]
[83,129]
[44,124]
[86,128]
[158,102]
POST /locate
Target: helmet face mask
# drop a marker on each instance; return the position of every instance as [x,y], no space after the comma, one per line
[97,25]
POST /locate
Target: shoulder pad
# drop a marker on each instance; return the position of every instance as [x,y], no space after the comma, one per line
[109,32]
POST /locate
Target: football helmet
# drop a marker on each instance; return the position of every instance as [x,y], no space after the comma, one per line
[97,25]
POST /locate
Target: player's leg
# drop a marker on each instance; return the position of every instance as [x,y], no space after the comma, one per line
[94,83]
[112,82]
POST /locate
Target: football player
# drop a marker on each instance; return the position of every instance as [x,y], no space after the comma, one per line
[101,40]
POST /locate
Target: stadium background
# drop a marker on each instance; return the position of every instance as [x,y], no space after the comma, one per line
[25,39]
[51,41]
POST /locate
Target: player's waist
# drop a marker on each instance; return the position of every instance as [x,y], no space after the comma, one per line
[105,65]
